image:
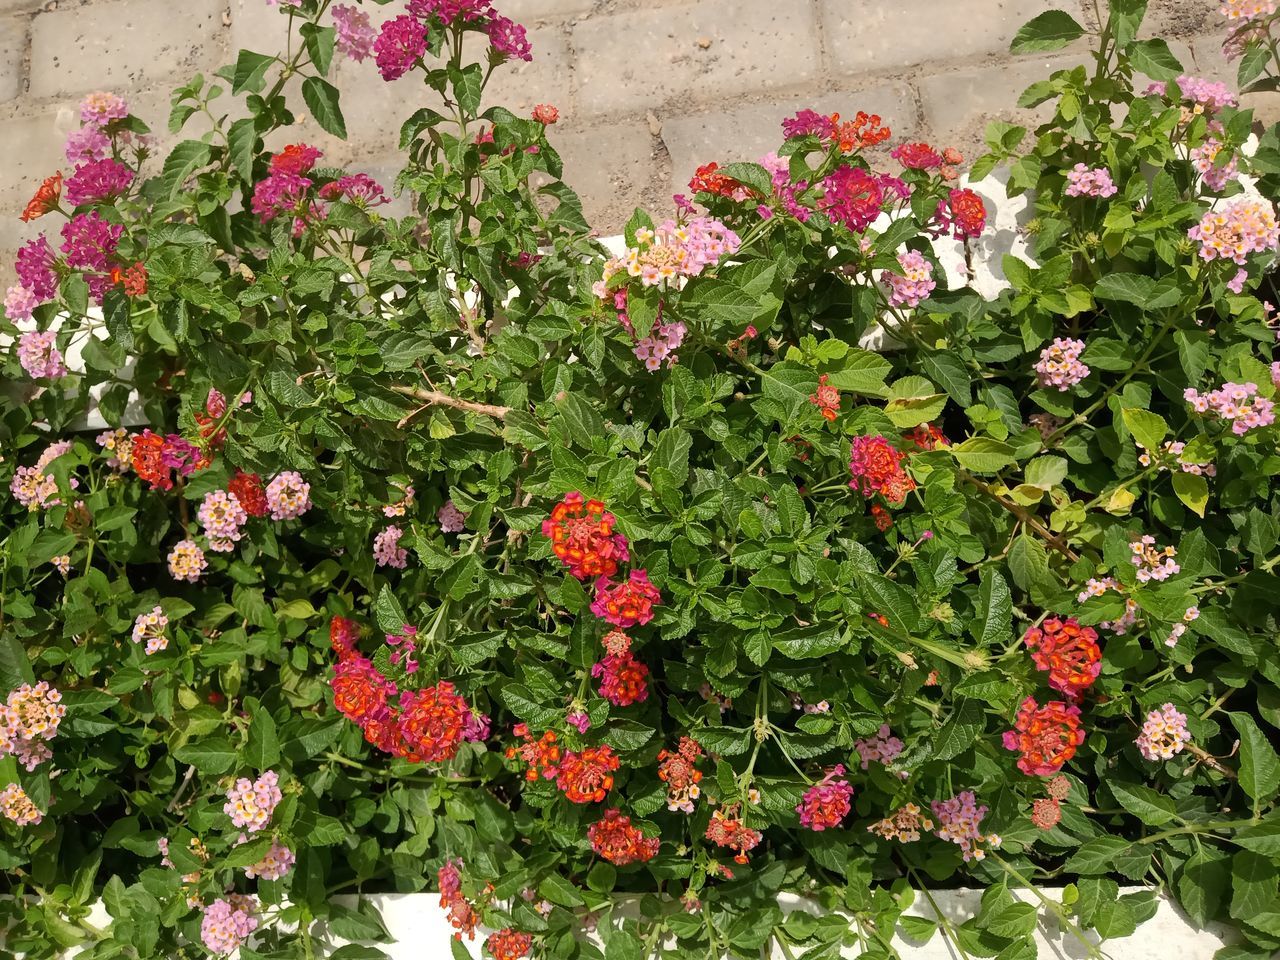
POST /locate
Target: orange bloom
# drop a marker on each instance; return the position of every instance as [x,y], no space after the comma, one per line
[45,199]
[587,776]
[1068,651]
[615,839]
[826,398]
[862,131]
[582,536]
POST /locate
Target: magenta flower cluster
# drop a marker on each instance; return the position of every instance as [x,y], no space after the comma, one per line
[853,197]
[1237,403]
[401,44]
[97,181]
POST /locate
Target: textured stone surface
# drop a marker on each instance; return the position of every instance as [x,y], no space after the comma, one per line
[13,48]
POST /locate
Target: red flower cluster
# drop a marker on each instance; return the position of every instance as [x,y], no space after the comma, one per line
[963,213]
[864,130]
[360,691]
[343,634]
[614,838]
[133,279]
[881,517]
[508,944]
[1068,651]
[545,114]
[582,536]
[587,776]
[625,680]
[45,199]
[249,491]
[295,159]
[708,180]
[542,756]
[1046,737]
[678,772]
[876,466]
[627,603]
[917,156]
[726,830]
[826,398]
[432,724]
[148,460]
[463,917]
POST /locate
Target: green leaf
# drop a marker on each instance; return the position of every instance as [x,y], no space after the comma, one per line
[1029,563]
[1259,766]
[1192,489]
[1097,857]
[1147,805]
[982,454]
[1127,287]
[241,139]
[263,747]
[1202,885]
[960,731]
[319,41]
[468,84]
[250,70]
[1155,59]
[1051,30]
[1148,428]
[115,311]
[993,610]
[15,668]
[391,616]
[322,100]
[210,755]
[947,370]
[1015,921]
[559,890]
[182,160]
[1253,884]
[1262,838]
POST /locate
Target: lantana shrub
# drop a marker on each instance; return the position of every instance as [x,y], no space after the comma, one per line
[622,594]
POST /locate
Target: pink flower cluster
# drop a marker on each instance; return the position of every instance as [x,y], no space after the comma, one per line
[451,519]
[1059,364]
[1085,182]
[827,802]
[913,284]
[288,496]
[1153,563]
[228,922]
[1238,403]
[387,551]
[1209,96]
[277,862]
[39,355]
[853,197]
[673,250]
[1204,159]
[1172,451]
[1247,9]
[222,516]
[150,628]
[509,39]
[186,561]
[1164,734]
[882,748]
[35,489]
[19,302]
[99,108]
[959,820]
[354,36]
[97,181]
[29,718]
[1097,587]
[358,189]
[15,805]
[401,44]
[250,803]
[87,143]
[661,344]
[1236,229]
[34,266]
[783,187]
[1190,615]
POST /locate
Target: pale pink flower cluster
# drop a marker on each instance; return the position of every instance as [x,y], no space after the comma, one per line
[1236,229]
[228,922]
[1275,374]
[28,719]
[150,628]
[186,561]
[387,551]
[1085,182]
[61,563]
[288,496]
[661,344]
[451,519]
[398,509]
[1153,563]
[1172,451]
[958,821]
[100,108]
[19,302]
[355,36]
[222,517]
[1164,734]
[903,825]
[39,355]
[1192,613]
[118,444]
[1205,160]
[882,748]
[673,250]
[1238,403]
[274,865]
[1247,9]
[86,144]
[1059,364]
[250,803]
[913,284]
[1209,96]
[17,806]
[35,489]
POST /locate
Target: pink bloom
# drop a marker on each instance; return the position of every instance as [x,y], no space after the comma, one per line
[1236,283]
[222,516]
[1059,365]
[913,284]
[624,680]
[451,10]
[882,748]
[1237,228]
[508,38]
[97,181]
[387,551]
[186,561]
[827,802]
[402,42]
[628,603]
[1209,94]
[89,241]
[852,197]
[100,108]
[917,156]
[451,519]
[19,302]
[150,628]
[250,803]
[959,820]
[288,496]
[39,356]
[274,865]
[228,922]
[1085,182]
[1153,563]
[1205,160]
[278,194]
[354,35]
[579,721]
[87,143]
[358,188]
[34,267]
[808,123]
[1164,734]
[1237,403]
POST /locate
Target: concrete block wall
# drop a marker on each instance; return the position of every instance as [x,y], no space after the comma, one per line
[647,89]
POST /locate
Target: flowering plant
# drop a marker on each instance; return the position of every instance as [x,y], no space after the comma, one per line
[449,552]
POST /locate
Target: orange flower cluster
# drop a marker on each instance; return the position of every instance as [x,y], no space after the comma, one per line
[508,944]
[433,724]
[876,466]
[343,634]
[132,279]
[45,199]
[1046,737]
[462,916]
[360,692]
[707,180]
[249,491]
[881,517]
[678,772]
[864,130]
[826,398]
[726,830]
[542,756]
[614,838]
[1068,651]
[582,536]
[147,454]
[587,776]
